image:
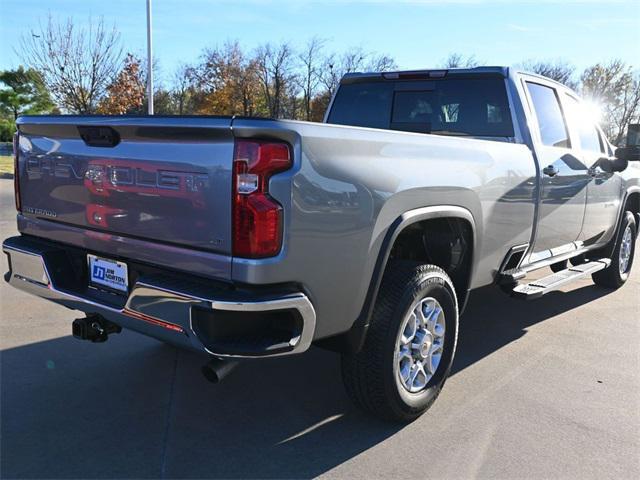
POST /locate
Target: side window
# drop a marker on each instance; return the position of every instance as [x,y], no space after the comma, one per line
[553,130]
[579,119]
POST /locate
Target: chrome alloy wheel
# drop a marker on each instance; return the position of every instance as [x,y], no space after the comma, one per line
[419,345]
[625,250]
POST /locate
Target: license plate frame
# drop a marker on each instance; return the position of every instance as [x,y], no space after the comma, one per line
[109,274]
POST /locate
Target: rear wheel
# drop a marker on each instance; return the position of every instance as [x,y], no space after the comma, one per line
[616,274]
[410,345]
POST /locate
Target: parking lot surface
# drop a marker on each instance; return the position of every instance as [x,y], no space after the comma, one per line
[546,389]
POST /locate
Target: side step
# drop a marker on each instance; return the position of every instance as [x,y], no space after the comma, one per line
[537,288]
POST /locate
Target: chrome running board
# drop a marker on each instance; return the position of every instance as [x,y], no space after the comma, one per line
[537,288]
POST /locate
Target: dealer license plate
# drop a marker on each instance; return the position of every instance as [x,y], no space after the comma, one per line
[108,273]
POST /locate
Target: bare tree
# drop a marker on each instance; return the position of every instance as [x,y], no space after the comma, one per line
[629,112]
[310,59]
[182,80]
[458,60]
[616,89]
[381,63]
[274,81]
[249,89]
[353,60]
[77,63]
[330,74]
[558,70]
[275,72]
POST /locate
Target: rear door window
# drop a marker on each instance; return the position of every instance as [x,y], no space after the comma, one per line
[551,123]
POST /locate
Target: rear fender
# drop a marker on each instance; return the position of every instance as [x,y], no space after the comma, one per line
[353,340]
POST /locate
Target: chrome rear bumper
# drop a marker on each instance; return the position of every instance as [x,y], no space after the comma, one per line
[157,306]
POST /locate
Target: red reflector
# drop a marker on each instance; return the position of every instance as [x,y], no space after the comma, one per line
[257,218]
[153,320]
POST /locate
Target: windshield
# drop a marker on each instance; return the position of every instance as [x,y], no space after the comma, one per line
[449,106]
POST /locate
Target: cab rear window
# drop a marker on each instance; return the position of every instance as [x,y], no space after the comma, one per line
[449,106]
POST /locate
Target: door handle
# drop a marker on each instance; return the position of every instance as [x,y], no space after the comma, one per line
[550,171]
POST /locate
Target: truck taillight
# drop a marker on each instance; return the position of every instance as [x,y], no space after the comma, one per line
[257,218]
[16,171]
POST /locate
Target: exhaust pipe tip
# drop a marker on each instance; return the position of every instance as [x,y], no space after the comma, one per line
[217,369]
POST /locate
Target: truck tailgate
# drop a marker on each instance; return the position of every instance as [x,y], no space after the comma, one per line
[160,179]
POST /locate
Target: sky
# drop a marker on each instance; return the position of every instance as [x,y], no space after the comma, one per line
[417,33]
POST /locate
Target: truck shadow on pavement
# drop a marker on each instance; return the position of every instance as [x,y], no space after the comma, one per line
[133,408]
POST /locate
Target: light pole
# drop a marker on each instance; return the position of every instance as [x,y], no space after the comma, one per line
[149,61]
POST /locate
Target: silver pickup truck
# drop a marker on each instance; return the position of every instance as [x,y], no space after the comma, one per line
[244,237]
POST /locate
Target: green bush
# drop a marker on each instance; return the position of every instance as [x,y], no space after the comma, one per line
[7,129]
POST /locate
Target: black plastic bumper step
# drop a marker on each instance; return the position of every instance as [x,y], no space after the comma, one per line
[537,288]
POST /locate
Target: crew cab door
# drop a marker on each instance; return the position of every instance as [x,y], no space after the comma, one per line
[604,191]
[564,177]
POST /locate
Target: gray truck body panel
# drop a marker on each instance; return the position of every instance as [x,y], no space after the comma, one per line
[354,183]
[348,189]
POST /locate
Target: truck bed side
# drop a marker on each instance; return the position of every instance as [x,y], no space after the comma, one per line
[353,183]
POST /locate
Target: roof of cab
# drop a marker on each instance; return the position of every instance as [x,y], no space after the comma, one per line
[356,77]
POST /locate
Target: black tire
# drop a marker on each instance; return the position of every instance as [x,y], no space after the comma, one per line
[369,376]
[611,277]
[559,266]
